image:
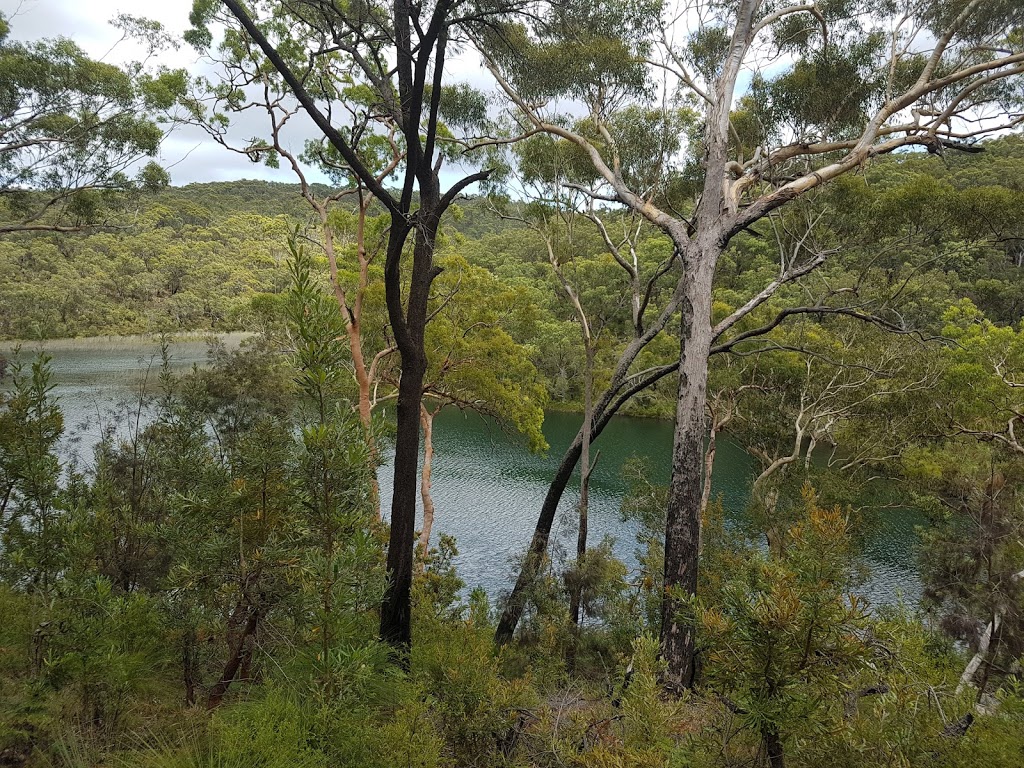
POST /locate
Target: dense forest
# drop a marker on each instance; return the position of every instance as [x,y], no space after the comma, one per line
[825,265]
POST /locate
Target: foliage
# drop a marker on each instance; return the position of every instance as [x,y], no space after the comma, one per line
[74,129]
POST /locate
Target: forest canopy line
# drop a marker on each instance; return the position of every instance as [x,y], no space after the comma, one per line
[823,260]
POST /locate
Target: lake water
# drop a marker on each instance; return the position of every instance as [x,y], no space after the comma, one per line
[487,487]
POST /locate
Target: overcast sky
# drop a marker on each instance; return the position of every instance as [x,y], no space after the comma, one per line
[188,153]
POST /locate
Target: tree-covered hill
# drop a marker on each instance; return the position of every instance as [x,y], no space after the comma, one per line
[183,258]
[193,257]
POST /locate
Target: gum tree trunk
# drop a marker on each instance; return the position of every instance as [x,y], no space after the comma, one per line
[586,468]
[395,614]
[685,495]
[539,543]
[427,422]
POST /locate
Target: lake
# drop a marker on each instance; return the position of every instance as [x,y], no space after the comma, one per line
[487,487]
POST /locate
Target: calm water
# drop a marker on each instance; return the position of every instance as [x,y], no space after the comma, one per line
[487,487]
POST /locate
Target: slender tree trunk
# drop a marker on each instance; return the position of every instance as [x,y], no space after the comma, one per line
[682,523]
[773,747]
[605,409]
[427,422]
[576,598]
[586,468]
[237,656]
[607,406]
[539,543]
[705,498]
[352,315]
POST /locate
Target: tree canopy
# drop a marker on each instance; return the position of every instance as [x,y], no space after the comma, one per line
[77,130]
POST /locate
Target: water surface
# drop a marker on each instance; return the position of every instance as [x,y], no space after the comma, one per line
[488,488]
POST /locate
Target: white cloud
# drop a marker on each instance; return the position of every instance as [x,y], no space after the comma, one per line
[189,153]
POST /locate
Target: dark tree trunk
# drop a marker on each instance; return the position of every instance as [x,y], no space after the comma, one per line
[613,398]
[773,747]
[586,469]
[239,652]
[409,322]
[395,616]
[513,610]
[417,116]
[682,520]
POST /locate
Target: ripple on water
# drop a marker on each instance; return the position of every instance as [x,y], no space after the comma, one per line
[487,487]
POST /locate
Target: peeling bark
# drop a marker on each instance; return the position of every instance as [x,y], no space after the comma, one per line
[682,522]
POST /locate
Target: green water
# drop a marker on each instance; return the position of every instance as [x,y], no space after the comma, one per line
[487,487]
[488,490]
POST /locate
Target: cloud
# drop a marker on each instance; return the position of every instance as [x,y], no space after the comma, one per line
[188,152]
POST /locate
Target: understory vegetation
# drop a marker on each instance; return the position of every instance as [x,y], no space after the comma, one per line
[204,591]
[795,226]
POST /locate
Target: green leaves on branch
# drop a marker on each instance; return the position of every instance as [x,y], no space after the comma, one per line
[76,127]
[589,50]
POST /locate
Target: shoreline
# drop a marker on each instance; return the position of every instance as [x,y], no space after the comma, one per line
[232,339]
[113,342]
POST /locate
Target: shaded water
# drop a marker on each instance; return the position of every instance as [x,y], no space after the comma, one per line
[487,487]
[488,490]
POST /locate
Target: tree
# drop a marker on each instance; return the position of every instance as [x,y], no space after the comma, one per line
[74,128]
[560,186]
[825,399]
[864,80]
[784,631]
[475,364]
[248,86]
[966,469]
[398,54]
[31,424]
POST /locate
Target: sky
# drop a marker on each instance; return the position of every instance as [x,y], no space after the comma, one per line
[188,153]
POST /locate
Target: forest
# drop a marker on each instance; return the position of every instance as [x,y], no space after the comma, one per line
[798,227]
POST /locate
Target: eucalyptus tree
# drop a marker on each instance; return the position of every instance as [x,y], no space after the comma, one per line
[396,54]
[475,364]
[834,85]
[966,466]
[610,296]
[826,401]
[343,219]
[560,197]
[73,129]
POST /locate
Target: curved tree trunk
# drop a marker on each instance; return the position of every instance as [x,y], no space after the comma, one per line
[535,555]
[586,468]
[239,653]
[613,398]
